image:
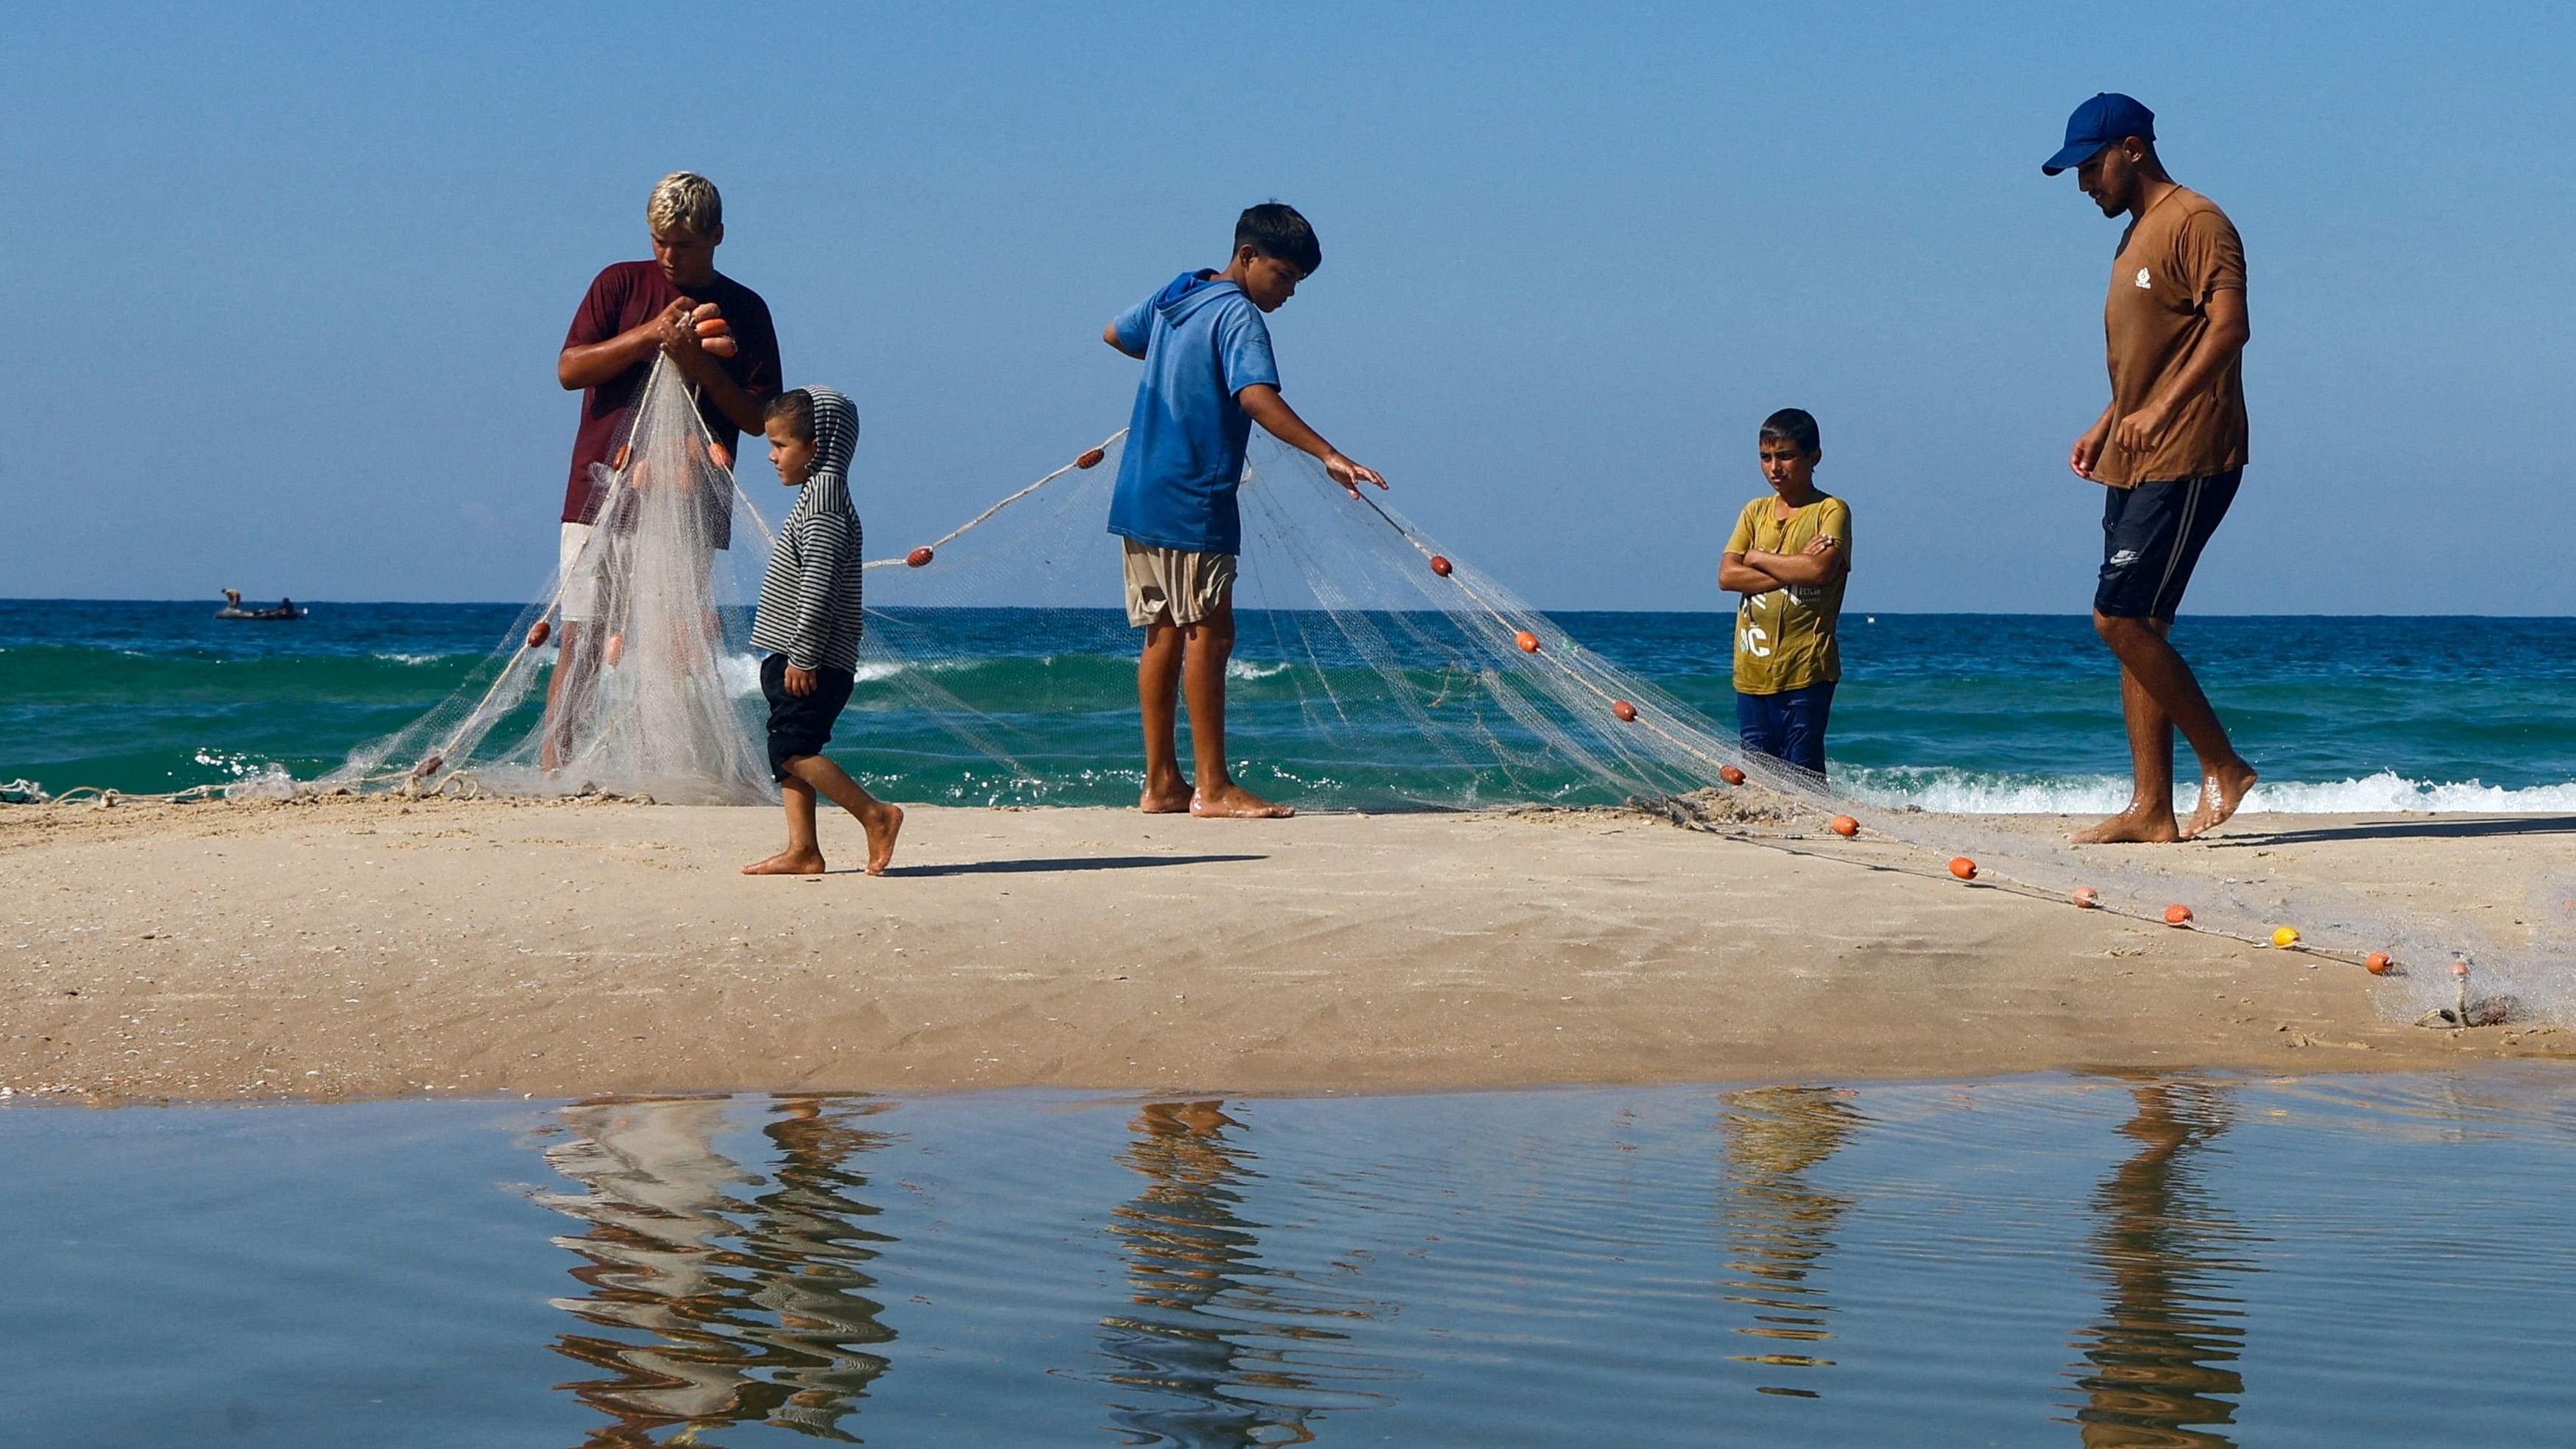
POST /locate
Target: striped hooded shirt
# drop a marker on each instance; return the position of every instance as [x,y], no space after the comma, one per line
[809,602]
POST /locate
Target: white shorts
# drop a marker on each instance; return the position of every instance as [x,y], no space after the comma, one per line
[579,596]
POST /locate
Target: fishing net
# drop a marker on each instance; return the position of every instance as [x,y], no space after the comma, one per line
[1373,670]
[633,675]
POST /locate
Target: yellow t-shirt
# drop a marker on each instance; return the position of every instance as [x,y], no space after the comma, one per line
[1784,639]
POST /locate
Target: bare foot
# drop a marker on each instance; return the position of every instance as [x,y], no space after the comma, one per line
[2221,791]
[881,834]
[789,862]
[1233,802]
[1169,799]
[2133,826]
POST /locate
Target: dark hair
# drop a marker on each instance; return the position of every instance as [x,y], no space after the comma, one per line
[1794,425]
[1275,230]
[797,407]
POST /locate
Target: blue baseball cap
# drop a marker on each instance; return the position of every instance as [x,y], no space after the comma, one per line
[2102,121]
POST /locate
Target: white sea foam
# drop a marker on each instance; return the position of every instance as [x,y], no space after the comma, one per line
[741,672]
[1246,669]
[411,658]
[1964,793]
[271,783]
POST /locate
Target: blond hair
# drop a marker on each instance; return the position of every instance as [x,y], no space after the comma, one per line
[685,201]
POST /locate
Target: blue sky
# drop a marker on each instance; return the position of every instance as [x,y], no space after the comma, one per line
[289,283]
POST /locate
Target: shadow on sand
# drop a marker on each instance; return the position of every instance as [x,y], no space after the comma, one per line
[2477,827]
[1069,863]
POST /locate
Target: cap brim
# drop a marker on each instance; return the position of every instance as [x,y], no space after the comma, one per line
[2072,155]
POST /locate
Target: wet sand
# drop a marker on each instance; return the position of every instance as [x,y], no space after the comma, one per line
[347,947]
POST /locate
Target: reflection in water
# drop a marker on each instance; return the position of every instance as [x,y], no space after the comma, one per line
[737,1308]
[1778,1227]
[1232,1351]
[2156,1369]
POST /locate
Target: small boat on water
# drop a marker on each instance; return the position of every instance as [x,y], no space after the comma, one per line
[232,609]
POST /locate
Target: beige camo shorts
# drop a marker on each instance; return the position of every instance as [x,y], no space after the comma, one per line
[1175,583]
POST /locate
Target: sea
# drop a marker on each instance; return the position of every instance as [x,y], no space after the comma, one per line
[2182,1259]
[1949,712]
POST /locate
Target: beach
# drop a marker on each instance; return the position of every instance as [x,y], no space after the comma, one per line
[371,947]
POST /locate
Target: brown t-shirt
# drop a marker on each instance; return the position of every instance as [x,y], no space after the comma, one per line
[2170,262]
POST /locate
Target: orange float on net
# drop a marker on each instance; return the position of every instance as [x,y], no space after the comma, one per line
[720,347]
[2177,915]
[2377,963]
[616,649]
[713,327]
[624,452]
[717,455]
[2459,967]
[917,557]
[1845,826]
[1963,868]
[1527,640]
[2087,899]
[1091,459]
[1440,566]
[1730,774]
[1626,711]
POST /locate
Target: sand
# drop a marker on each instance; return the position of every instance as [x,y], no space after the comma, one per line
[347,947]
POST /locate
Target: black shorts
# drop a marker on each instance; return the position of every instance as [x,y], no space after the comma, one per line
[800,724]
[2152,536]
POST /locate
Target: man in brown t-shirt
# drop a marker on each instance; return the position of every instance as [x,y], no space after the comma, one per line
[2169,449]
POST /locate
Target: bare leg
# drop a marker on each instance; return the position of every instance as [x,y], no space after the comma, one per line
[567,694]
[804,853]
[807,774]
[2159,694]
[1211,644]
[1158,697]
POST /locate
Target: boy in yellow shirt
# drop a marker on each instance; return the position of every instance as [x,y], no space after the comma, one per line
[1788,556]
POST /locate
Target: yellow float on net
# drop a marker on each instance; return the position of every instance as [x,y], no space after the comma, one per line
[2286,937]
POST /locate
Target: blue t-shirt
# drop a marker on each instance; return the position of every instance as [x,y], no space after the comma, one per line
[1203,342]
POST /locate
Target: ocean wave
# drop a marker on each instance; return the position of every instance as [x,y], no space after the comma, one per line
[1960,792]
[411,658]
[1246,669]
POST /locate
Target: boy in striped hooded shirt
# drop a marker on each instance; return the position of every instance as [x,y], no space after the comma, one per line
[807,623]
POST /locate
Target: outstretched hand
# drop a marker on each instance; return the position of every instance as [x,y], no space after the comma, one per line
[1349,474]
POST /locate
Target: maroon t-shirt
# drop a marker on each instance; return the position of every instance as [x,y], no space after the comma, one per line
[629,295]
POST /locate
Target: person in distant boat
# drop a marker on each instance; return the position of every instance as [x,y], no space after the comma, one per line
[1789,556]
[634,312]
[2169,449]
[1208,377]
[232,598]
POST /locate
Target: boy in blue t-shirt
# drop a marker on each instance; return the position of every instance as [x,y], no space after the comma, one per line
[1208,378]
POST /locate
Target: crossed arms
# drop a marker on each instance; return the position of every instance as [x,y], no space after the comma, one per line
[1756,572]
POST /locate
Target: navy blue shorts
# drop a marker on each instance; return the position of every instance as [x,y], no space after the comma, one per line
[801,724]
[1787,726]
[2152,536]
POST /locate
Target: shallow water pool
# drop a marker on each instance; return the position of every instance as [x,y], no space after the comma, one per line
[2085,1260]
